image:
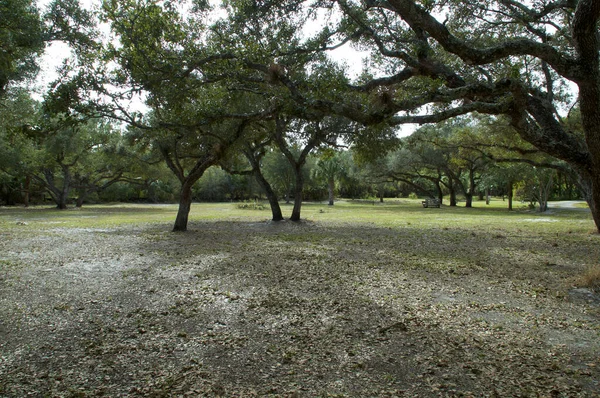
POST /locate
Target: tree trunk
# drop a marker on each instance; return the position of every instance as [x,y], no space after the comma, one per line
[271,196]
[5,193]
[594,201]
[61,202]
[469,199]
[62,196]
[82,194]
[439,191]
[453,197]
[330,189]
[470,190]
[26,190]
[254,160]
[510,195]
[59,195]
[185,205]
[544,193]
[452,192]
[298,187]
[80,198]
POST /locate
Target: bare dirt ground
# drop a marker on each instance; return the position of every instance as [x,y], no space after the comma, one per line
[295,310]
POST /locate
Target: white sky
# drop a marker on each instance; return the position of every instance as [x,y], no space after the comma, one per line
[57,52]
[54,55]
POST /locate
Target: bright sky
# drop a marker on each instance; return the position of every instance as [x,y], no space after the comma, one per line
[54,55]
[58,52]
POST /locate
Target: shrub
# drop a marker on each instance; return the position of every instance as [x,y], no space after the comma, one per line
[591,278]
[413,195]
[251,206]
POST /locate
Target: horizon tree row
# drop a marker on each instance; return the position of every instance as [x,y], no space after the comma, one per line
[222,87]
[70,162]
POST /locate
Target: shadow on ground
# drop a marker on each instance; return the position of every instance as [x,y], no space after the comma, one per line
[306,309]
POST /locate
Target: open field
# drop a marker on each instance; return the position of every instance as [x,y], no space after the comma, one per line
[361,299]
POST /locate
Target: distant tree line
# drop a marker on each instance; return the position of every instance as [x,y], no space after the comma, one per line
[245,103]
[69,163]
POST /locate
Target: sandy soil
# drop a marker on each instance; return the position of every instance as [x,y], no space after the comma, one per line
[297,310]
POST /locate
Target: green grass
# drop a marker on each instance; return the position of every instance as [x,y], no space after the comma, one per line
[481,217]
[355,281]
[582,205]
[406,213]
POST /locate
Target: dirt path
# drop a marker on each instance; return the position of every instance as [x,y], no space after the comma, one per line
[255,309]
[568,204]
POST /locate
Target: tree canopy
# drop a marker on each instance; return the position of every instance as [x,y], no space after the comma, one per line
[213,75]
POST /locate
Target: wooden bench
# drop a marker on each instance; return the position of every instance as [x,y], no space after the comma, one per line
[431,202]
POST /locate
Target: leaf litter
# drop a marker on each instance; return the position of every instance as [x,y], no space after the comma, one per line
[310,309]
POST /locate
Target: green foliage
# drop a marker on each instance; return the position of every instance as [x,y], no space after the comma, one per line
[329,166]
[279,173]
[67,21]
[215,185]
[250,205]
[214,84]
[21,41]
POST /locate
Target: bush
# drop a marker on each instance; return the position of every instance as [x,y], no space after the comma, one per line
[251,206]
[413,195]
[591,278]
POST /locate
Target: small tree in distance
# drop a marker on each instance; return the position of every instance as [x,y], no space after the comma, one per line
[329,168]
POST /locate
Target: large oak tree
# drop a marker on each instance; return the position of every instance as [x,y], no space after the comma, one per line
[448,58]
[435,60]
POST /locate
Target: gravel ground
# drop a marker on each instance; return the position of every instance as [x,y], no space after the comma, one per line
[295,310]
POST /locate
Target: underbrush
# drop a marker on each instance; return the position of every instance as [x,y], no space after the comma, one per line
[591,278]
[251,206]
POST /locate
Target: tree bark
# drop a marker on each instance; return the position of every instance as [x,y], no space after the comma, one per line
[510,195]
[80,199]
[452,192]
[297,164]
[61,202]
[254,160]
[298,187]
[64,194]
[277,215]
[185,205]
[468,199]
[59,195]
[26,190]
[471,189]
[453,200]
[187,182]
[330,190]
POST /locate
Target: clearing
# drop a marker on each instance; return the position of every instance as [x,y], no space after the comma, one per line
[361,300]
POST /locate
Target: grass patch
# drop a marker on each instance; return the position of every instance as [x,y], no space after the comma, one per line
[391,213]
[6,264]
[359,299]
[251,206]
[582,205]
[591,278]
